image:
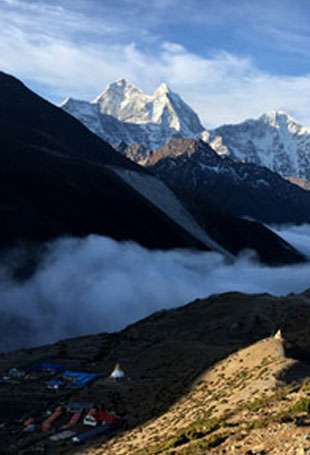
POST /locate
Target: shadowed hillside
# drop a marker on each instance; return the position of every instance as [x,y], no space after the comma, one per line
[57,178]
[172,361]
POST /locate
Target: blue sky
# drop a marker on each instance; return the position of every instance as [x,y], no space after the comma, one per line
[229,59]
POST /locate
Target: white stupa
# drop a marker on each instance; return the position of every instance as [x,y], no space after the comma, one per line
[117,373]
[278,335]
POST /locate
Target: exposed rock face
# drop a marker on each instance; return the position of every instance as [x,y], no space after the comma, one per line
[305,184]
[192,168]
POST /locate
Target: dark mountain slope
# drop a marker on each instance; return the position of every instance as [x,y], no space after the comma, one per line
[45,196]
[55,180]
[58,178]
[32,120]
[241,189]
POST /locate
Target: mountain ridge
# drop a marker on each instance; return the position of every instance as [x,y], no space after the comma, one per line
[124,114]
[195,171]
[274,140]
[137,117]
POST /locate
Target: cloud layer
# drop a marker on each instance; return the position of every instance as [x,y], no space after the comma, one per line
[97,284]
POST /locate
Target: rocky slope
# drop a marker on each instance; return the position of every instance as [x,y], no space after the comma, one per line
[192,169]
[123,113]
[304,184]
[209,376]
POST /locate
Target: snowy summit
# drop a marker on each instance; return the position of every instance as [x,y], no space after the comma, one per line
[124,113]
[274,140]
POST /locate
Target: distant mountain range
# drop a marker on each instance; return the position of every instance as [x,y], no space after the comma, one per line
[123,114]
[243,169]
[58,178]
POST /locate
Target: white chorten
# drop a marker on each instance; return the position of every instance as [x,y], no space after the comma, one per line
[117,373]
[278,335]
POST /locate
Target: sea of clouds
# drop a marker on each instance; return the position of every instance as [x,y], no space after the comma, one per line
[96,284]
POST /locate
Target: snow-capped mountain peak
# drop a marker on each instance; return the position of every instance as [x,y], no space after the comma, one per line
[274,140]
[136,117]
[163,89]
[120,99]
[121,86]
[283,120]
[123,113]
[274,117]
[127,103]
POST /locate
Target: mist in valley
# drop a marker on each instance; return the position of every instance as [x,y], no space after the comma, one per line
[96,284]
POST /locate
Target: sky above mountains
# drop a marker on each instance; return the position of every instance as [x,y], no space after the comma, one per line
[229,59]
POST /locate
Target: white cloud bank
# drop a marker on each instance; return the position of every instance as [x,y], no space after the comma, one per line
[97,285]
